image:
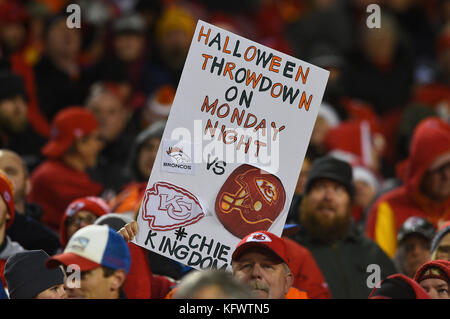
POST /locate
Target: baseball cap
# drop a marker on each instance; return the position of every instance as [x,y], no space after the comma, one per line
[130,23]
[94,246]
[262,239]
[93,204]
[7,193]
[332,168]
[68,125]
[416,225]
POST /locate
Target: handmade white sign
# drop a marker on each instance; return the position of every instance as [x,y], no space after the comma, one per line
[232,149]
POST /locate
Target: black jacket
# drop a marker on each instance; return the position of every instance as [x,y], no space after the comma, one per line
[31,234]
[344,263]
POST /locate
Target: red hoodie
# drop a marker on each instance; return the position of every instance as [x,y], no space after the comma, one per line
[431,139]
[393,293]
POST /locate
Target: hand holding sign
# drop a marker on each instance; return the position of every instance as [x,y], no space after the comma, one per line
[129,231]
[232,149]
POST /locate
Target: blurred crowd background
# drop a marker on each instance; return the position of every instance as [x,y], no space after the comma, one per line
[124,63]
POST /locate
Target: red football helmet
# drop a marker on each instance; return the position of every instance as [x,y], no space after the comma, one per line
[249,200]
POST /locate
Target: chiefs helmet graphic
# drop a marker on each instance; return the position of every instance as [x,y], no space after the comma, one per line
[249,200]
[167,206]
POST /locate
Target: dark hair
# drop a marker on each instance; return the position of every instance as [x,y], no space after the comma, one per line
[225,281]
[11,86]
[108,272]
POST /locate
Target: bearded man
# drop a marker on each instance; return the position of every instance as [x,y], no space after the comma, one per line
[351,263]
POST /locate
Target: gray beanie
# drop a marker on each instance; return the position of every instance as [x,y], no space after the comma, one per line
[26,274]
[439,235]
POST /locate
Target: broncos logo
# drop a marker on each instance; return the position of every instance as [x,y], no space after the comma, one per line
[178,155]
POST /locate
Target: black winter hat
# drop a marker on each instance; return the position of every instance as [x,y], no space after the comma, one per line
[26,274]
[331,168]
[11,85]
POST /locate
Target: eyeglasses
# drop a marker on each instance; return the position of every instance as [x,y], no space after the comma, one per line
[78,220]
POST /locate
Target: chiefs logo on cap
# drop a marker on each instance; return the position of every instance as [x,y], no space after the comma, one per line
[167,206]
[249,200]
[259,237]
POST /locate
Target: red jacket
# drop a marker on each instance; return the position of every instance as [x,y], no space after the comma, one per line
[55,185]
[431,139]
[307,275]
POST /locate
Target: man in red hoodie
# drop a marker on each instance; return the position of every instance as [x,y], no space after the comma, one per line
[426,186]
[73,148]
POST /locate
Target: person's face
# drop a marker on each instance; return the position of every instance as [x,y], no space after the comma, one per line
[209,292]
[328,199]
[74,293]
[436,183]
[436,288]
[417,252]
[12,166]
[13,35]
[4,214]
[94,285]
[264,273]
[81,219]
[129,46]
[371,43]
[62,41]
[89,147]
[325,210]
[111,115]
[55,292]
[443,249]
[13,114]
[364,193]
[174,47]
[147,156]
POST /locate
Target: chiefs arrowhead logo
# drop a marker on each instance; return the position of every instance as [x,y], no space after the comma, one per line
[167,206]
[249,200]
[259,237]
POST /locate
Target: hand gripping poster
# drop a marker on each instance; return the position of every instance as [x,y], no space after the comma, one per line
[232,148]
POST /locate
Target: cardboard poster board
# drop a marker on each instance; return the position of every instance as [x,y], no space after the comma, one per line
[232,149]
